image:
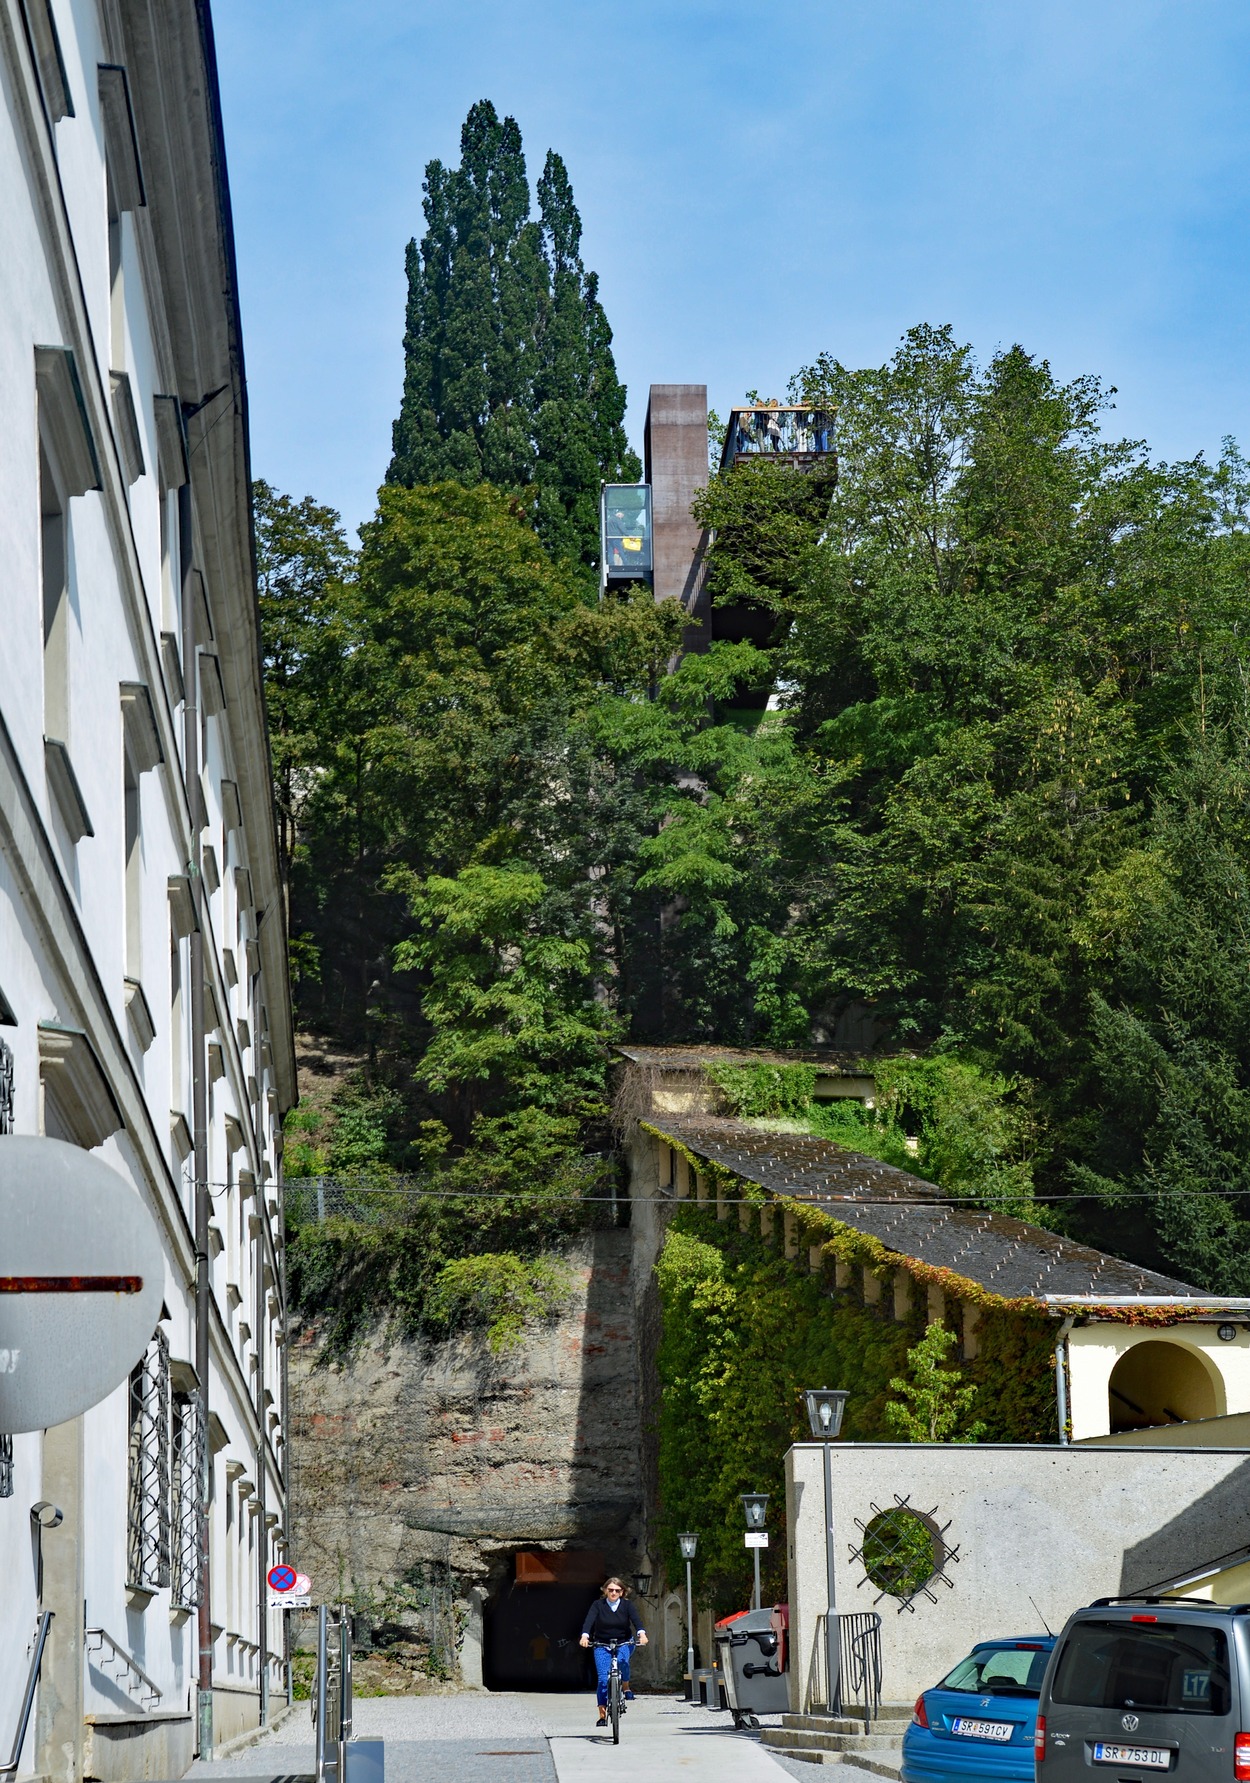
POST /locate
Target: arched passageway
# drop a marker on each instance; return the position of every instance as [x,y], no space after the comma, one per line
[1158,1382]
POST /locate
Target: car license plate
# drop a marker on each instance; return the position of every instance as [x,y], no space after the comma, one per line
[1154,1758]
[981,1730]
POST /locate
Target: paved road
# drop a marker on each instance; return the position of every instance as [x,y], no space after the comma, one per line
[480,1737]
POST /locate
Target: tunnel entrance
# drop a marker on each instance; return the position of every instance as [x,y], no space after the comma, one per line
[532,1624]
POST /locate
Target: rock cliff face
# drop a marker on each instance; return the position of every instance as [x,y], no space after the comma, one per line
[419,1470]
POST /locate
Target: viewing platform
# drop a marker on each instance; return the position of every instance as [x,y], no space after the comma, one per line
[802,436]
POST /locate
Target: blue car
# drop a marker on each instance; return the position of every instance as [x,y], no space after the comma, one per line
[979,1721]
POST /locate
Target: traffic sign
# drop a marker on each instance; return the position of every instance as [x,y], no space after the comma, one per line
[755,1538]
[282,1578]
[81,1281]
[302,1585]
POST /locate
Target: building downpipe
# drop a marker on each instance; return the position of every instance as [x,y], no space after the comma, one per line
[1061,1378]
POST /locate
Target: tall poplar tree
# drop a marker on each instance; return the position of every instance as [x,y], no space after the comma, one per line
[508,370]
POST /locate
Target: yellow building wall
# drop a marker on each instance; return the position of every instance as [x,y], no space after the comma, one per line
[1094,1350]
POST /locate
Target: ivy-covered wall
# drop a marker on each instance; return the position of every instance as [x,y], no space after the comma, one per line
[745,1331]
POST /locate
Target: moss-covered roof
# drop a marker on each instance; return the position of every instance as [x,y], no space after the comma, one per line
[912,1217]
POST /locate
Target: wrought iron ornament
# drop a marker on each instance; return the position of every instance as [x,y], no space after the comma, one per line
[904,1553]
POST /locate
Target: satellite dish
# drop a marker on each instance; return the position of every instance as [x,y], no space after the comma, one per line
[81,1281]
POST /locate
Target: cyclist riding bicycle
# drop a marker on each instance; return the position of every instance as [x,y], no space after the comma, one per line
[612,1618]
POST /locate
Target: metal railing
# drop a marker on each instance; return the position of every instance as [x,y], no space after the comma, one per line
[332,1692]
[859,1667]
[28,1695]
[125,1669]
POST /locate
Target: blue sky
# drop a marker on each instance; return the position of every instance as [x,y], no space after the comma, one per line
[758,184]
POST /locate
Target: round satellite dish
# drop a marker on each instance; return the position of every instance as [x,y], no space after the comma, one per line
[81,1281]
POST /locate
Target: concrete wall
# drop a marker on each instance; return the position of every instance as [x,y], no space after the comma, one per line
[675,446]
[1039,1531]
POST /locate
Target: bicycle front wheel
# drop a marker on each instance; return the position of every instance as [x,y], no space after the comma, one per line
[614,1706]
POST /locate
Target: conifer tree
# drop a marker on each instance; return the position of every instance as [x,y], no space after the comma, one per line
[509,376]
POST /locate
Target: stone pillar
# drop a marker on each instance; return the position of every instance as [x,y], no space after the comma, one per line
[972,1323]
[768,1217]
[841,1274]
[746,1215]
[59,1728]
[675,450]
[872,1287]
[902,1294]
[937,1305]
[816,1258]
[700,1187]
[790,1232]
[722,1199]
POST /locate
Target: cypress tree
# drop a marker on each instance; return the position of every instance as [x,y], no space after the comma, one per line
[508,370]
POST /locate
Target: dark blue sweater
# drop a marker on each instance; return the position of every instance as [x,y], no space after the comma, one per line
[602,1623]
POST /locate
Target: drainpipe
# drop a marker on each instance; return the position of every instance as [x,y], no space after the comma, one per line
[1061,1377]
[199,1116]
[262,1467]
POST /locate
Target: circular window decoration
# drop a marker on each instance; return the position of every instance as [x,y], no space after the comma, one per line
[901,1552]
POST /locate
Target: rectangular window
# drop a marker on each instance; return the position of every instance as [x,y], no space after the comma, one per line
[148,1518]
[1174,1666]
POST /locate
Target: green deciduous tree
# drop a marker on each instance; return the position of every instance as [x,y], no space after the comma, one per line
[932,1405]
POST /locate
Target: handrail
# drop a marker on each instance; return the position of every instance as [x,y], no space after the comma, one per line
[151,1692]
[28,1698]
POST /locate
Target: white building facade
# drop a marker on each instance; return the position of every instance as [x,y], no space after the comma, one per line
[144,1004]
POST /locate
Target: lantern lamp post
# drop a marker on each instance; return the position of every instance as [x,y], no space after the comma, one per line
[824,1411]
[755,1509]
[689,1543]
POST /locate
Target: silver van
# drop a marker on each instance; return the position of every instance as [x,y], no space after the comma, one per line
[1138,1687]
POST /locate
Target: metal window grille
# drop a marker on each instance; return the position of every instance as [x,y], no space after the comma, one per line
[188,1461]
[6,1467]
[147,1531]
[6,1088]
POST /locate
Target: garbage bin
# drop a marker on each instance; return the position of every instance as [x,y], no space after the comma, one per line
[751,1650]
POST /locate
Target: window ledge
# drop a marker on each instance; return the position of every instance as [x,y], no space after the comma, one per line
[137,1009]
[65,789]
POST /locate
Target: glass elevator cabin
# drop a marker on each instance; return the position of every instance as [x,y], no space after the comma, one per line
[625,534]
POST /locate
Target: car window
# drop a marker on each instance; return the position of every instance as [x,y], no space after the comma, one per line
[1163,1665]
[1009,1668]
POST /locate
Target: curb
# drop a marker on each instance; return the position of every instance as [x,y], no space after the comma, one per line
[253,1735]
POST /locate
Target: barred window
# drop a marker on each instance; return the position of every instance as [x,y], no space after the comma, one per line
[6,1467]
[188,1461]
[148,1531]
[6,1085]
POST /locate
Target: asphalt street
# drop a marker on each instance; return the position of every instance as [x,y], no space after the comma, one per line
[480,1737]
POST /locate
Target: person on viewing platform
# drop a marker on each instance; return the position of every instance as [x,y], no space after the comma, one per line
[612,1618]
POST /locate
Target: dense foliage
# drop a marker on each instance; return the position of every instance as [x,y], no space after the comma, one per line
[996,815]
[508,369]
[744,1333]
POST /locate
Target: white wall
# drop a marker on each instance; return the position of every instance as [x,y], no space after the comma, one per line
[1039,1532]
[1094,1350]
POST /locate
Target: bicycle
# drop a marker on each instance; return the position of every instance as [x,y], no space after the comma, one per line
[616,1689]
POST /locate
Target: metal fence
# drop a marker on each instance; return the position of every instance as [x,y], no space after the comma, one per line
[859,1667]
[332,1692]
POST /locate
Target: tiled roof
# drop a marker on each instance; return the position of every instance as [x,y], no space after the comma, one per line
[913,1217]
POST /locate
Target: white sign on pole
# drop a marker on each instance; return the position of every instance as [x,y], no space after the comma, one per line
[81,1281]
[755,1538]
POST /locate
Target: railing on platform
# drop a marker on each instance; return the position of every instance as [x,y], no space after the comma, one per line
[332,1692]
[28,1696]
[859,1667]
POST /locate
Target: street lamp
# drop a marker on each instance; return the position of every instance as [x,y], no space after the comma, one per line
[824,1413]
[754,1509]
[689,1542]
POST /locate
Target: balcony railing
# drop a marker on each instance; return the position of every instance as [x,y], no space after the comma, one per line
[770,431]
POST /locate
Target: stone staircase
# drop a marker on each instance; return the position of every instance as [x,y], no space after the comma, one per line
[820,1739]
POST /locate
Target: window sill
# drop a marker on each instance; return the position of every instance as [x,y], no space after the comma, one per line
[65,789]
